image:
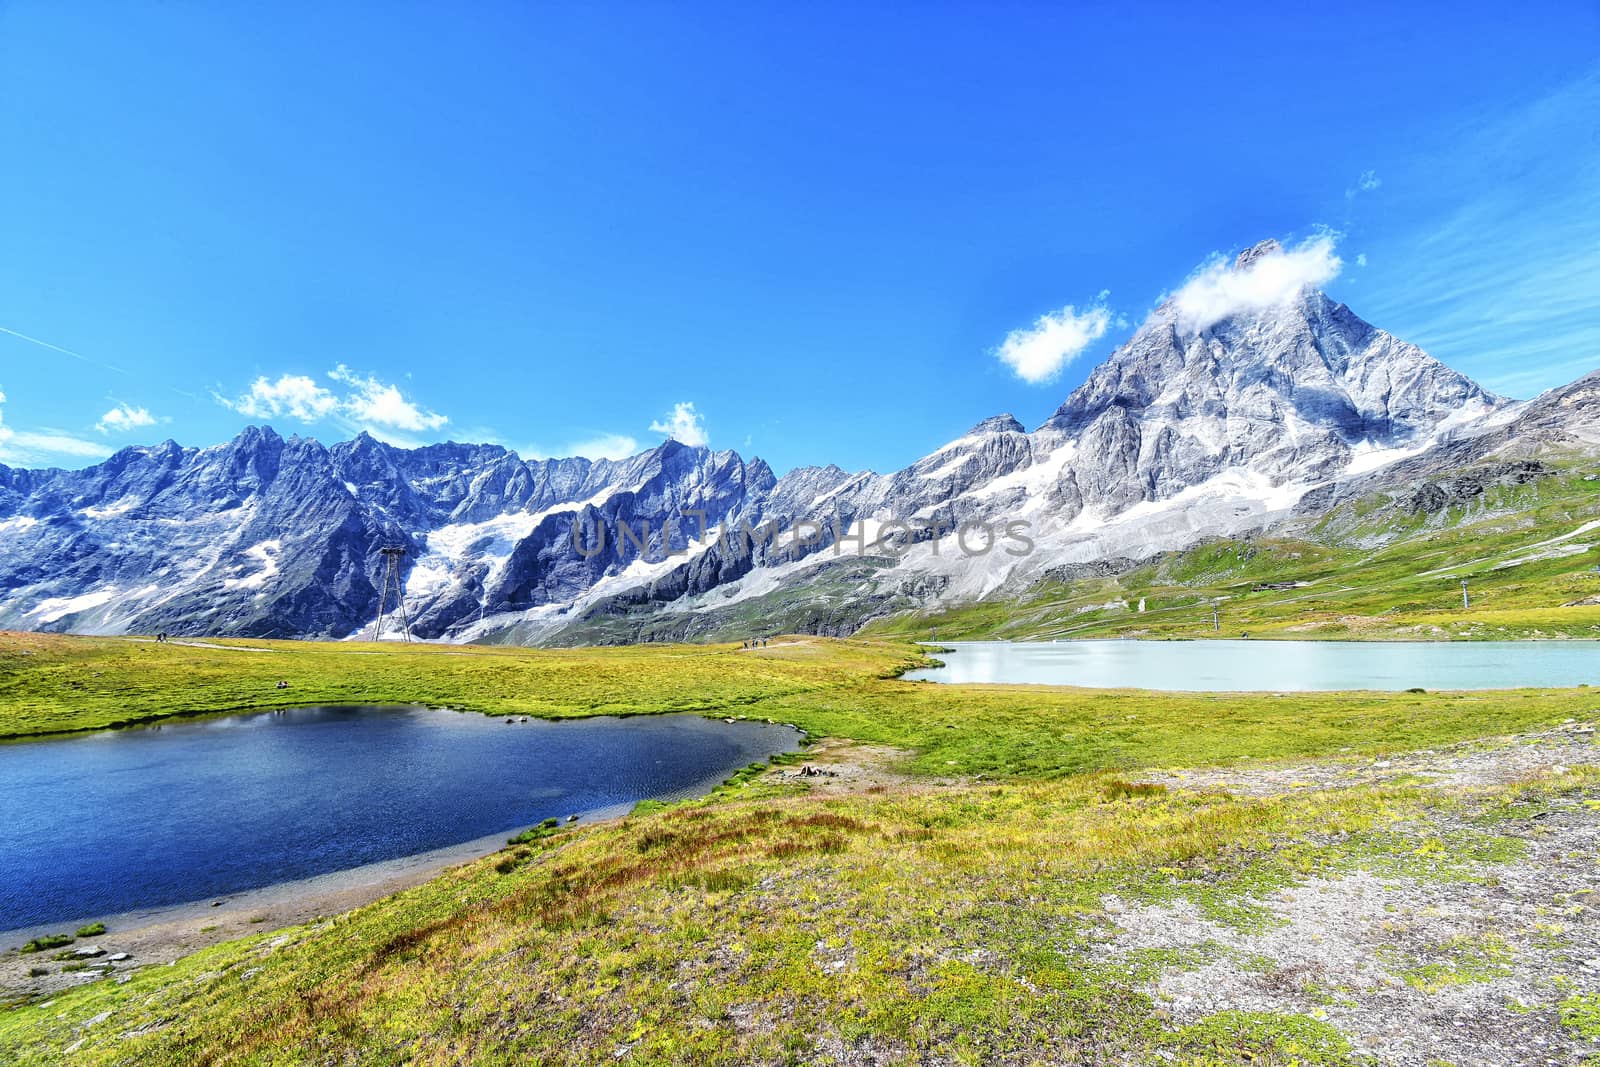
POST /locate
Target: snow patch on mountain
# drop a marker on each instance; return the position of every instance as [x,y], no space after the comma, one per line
[265,557]
[111,511]
[56,608]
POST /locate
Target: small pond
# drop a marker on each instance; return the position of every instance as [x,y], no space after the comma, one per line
[140,818]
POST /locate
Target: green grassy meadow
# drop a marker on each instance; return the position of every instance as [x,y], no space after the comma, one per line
[53,684]
[827,687]
[957,915]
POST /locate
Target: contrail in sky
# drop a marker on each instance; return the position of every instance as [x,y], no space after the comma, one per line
[63,351]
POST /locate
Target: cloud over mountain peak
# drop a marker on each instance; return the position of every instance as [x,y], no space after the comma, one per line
[1263,276]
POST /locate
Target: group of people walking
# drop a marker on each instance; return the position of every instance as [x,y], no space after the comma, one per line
[756,642]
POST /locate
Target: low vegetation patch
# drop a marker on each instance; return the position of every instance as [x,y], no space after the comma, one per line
[1580,1013]
[1260,1038]
[1461,960]
[47,941]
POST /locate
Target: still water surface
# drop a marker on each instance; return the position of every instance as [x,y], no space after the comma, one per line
[140,818]
[1272,666]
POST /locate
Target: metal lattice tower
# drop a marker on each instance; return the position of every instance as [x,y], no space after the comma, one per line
[392,555]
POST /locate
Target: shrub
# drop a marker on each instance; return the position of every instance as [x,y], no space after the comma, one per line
[724,881]
[91,930]
[1116,789]
[548,828]
[654,838]
[39,944]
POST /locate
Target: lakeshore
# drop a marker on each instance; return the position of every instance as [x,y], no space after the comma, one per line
[164,935]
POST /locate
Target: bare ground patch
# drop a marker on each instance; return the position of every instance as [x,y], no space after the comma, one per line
[1466,969]
[839,766]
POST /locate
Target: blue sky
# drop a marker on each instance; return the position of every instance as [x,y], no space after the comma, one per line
[802,231]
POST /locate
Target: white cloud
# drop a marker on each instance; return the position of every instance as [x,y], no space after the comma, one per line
[1368,181]
[1037,354]
[600,446]
[27,446]
[366,403]
[1220,289]
[685,425]
[294,395]
[123,418]
[375,403]
[605,446]
[1361,260]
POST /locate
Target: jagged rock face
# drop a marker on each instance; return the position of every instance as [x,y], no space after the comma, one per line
[993,448]
[1434,496]
[568,552]
[1507,449]
[263,536]
[437,483]
[1287,394]
[253,537]
[1567,418]
[267,537]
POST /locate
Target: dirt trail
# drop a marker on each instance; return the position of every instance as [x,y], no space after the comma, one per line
[198,644]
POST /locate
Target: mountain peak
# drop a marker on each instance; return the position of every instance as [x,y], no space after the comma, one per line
[1006,423]
[1269,247]
[1172,407]
[669,446]
[254,436]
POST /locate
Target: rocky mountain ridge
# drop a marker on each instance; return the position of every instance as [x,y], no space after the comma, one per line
[1180,434]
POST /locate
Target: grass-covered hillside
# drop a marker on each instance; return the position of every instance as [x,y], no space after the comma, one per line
[1039,875]
[1385,566]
